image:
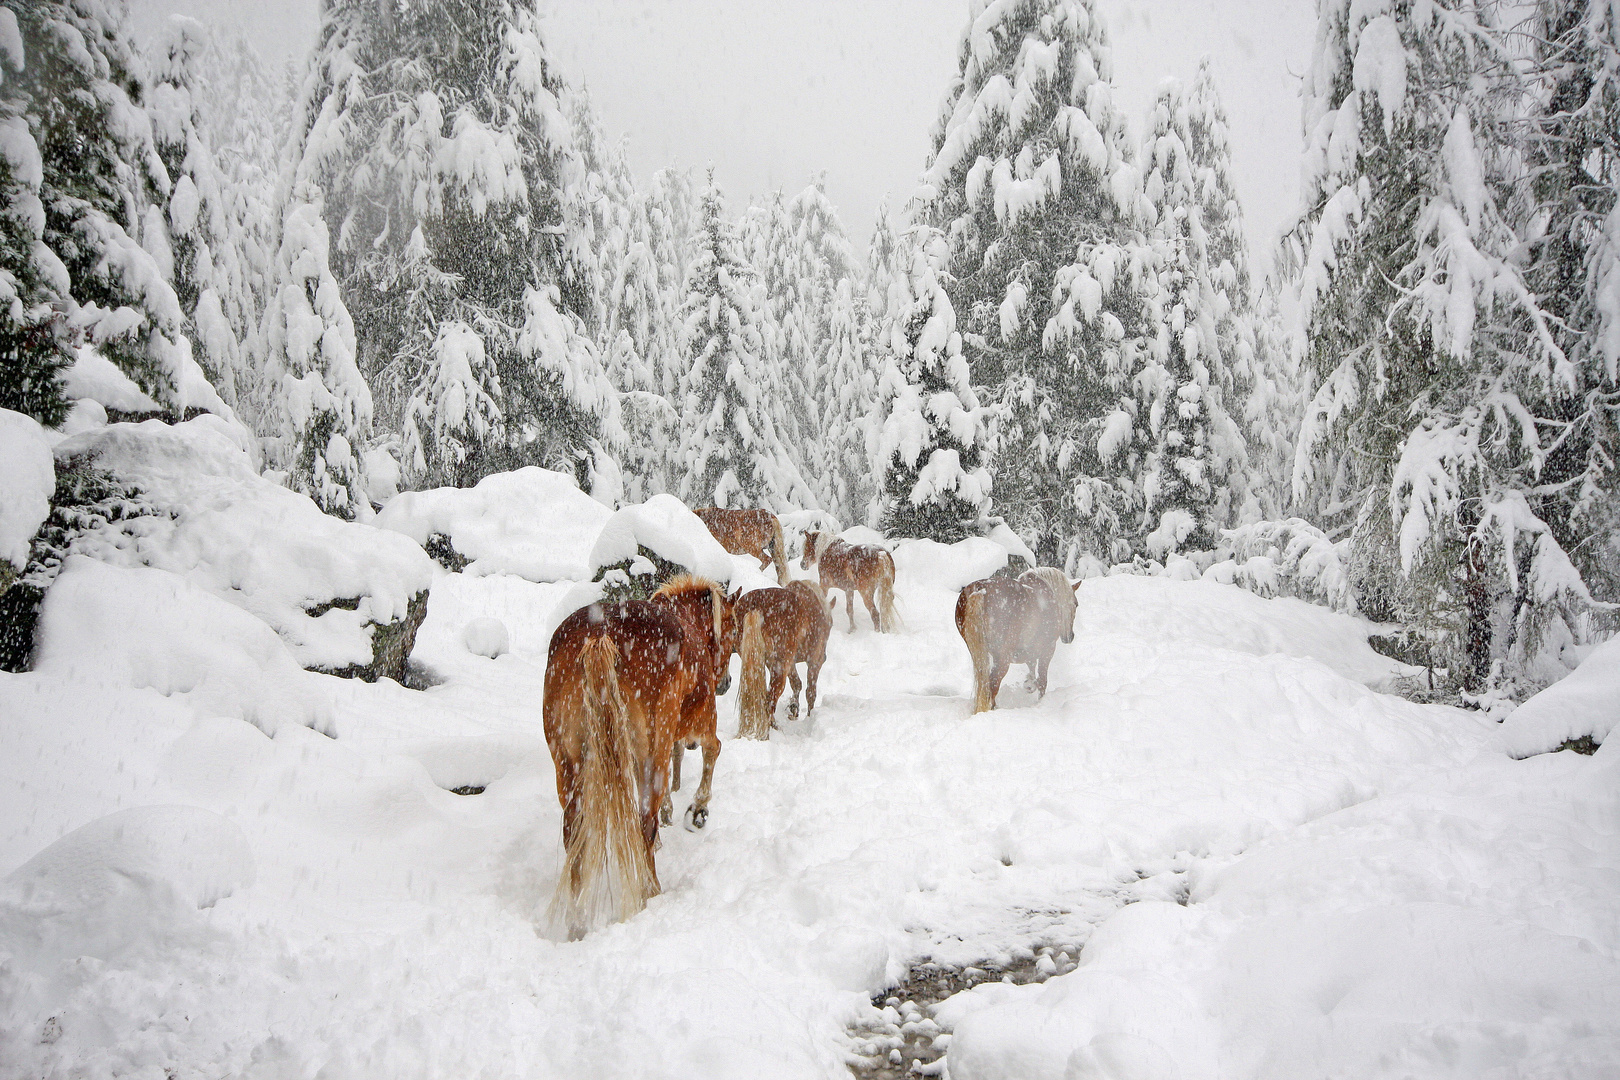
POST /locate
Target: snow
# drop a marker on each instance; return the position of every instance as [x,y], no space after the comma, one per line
[95,377]
[27,482]
[486,637]
[664,526]
[1369,881]
[532,522]
[235,534]
[1585,702]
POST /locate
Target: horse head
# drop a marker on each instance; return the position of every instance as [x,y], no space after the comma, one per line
[1074,609]
[810,552]
[728,633]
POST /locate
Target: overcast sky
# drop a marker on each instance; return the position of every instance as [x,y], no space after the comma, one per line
[773,93]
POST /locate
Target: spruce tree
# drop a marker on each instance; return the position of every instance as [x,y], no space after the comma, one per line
[732,450]
[324,404]
[83,229]
[932,438]
[849,487]
[1033,184]
[453,200]
[1428,356]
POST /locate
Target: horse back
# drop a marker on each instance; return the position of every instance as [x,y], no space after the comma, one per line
[1017,616]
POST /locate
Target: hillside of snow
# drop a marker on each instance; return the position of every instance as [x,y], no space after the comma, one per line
[217,864]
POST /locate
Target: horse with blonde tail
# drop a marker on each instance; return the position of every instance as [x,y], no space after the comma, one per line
[781,628]
[625,683]
[1007,621]
[863,569]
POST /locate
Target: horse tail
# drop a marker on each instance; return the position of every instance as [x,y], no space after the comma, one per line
[608,872]
[778,550]
[752,721]
[978,643]
[888,621]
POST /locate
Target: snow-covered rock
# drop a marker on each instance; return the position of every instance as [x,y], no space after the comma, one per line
[534,523]
[486,637]
[140,627]
[332,589]
[664,526]
[1586,702]
[27,481]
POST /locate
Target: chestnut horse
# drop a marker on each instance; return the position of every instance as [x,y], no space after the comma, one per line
[1014,621]
[748,532]
[854,568]
[624,684]
[781,628]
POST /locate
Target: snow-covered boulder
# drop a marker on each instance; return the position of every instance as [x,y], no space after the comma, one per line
[662,528]
[27,480]
[533,522]
[125,881]
[1583,704]
[146,628]
[486,637]
[344,597]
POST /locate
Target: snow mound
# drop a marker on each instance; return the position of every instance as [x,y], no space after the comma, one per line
[486,637]
[533,522]
[1586,702]
[147,628]
[927,563]
[122,881]
[664,526]
[267,550]
[1447,930]
[27,481]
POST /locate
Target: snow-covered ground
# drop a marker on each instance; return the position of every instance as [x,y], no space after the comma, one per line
[1277,869]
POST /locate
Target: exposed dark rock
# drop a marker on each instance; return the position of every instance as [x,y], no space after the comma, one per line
[391,643]
[444,552]
[623,584]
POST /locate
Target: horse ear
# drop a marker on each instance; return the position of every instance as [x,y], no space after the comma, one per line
[1076,586]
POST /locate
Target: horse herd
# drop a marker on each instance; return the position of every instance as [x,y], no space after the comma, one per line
[631,686]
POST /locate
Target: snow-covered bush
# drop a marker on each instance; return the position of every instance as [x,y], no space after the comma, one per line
[1290,558]
[344,597]
[533,523]
[27,480]
[642,545]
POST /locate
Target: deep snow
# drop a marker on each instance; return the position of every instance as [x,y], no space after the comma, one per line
[1376,887]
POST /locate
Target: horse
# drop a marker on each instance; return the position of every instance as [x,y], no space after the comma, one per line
[710,617]
[748,532]
[1014,621]
[624,683]
[781,628]
[854,568]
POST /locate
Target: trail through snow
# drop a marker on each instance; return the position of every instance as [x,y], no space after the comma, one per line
[384,927]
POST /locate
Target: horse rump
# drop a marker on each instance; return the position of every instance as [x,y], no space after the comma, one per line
[971,625]
[608,872]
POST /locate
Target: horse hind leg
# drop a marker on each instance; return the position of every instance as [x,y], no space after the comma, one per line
[793,698]
[849,602]
[871,607]
[666,812]
[698,815]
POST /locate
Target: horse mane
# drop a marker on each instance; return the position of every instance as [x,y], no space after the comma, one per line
[824,541]
[1053,579]
[683,585]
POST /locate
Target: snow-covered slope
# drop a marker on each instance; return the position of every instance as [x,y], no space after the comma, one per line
[368,922]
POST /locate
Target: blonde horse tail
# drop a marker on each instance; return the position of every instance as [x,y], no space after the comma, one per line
[752,721]
[888,623]
[978,643]
[608,873]
[778,551]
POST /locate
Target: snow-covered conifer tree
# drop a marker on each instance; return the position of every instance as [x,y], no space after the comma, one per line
[732,451]
[452,195]
[83,225]
[1033,184]
[849,487]
[931,436]
[325,404]
[1428,356]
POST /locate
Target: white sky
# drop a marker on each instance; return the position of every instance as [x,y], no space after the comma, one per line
[773,93]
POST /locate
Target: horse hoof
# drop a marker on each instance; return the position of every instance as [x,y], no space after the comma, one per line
[696,818]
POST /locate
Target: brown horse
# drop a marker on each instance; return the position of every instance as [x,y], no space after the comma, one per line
[781,628]
[854,568]
[1014,621]
[624,682]
[709,615]
[748,532]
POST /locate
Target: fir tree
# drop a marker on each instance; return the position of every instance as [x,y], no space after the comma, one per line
[83,228]
[453,198]
[1033,184]
[1428,356]
[932,437]
[849,487]
[325,406]
[732,453]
